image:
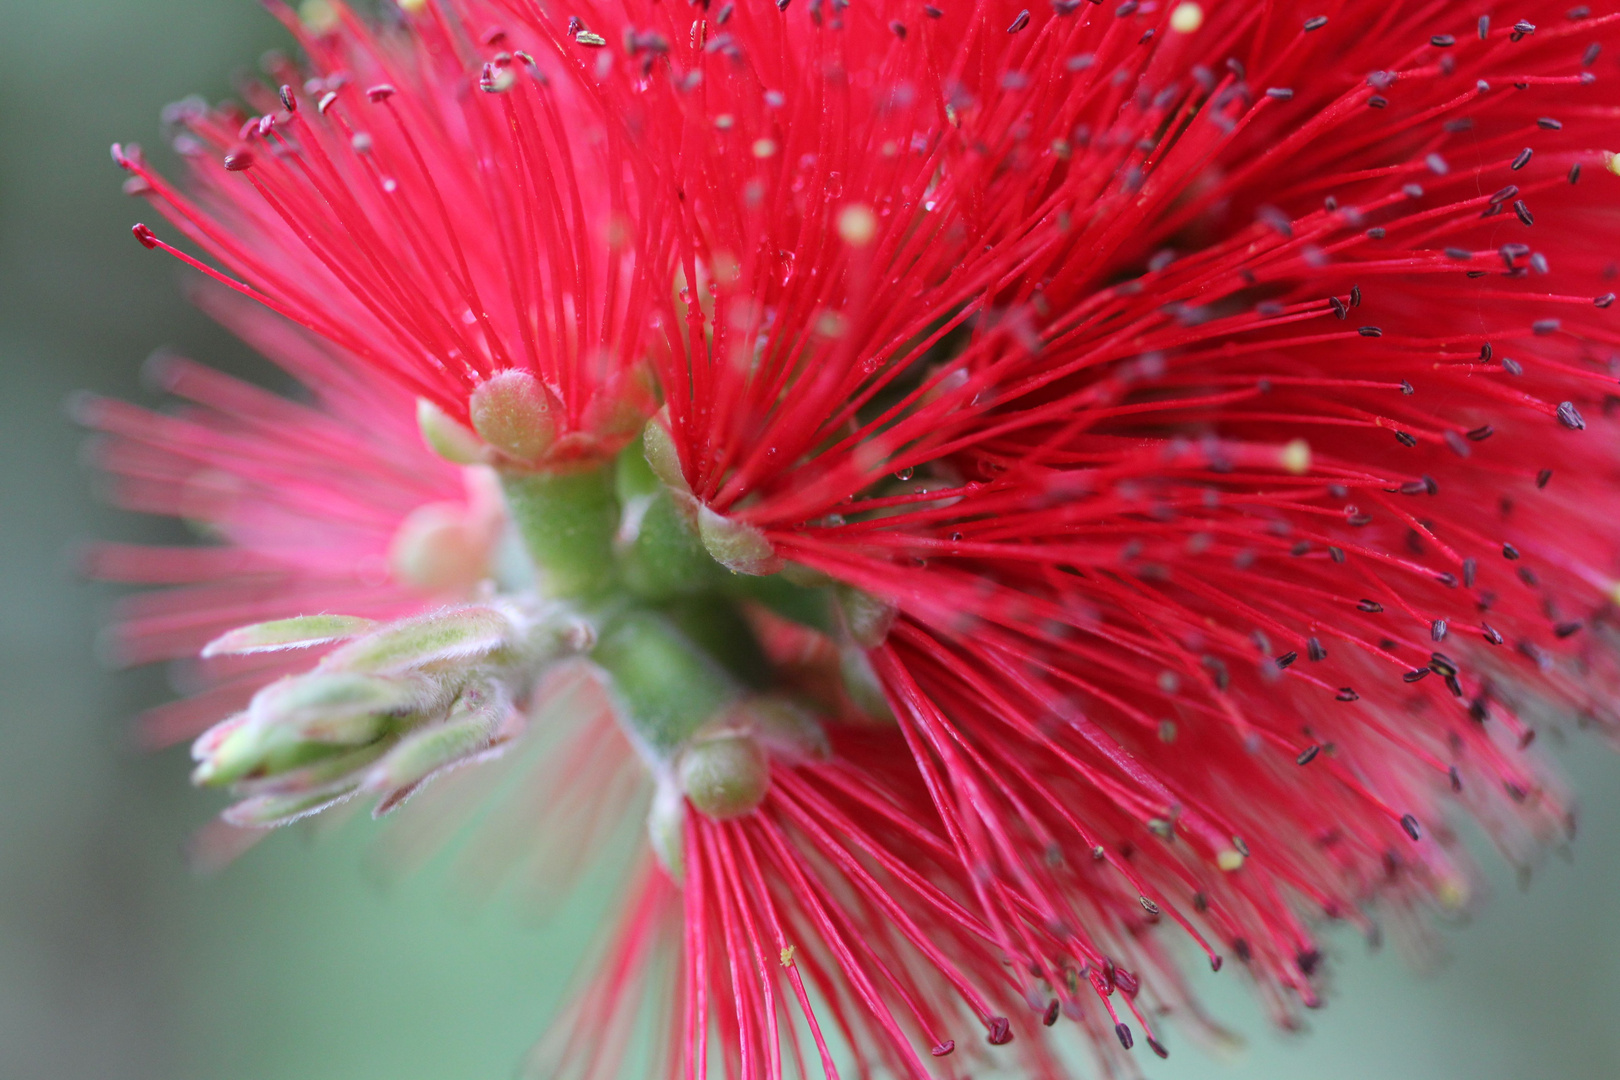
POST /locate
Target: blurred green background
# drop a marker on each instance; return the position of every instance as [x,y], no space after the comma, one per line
[116,963]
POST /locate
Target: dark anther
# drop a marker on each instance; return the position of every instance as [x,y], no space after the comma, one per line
[1405,438]
[1355,296]
[1153,1044]
[1459,254]
[1406,388]
[1512,366]
[1522,160]
[1416,675]
[1442,41]
[1448,580]
[1308,755]
[1286,659]
[1315,23]
[1371,607]
[1565,629]
[1314,649]
[1455,778]
[1279,93]
[898,27]
[1547,123]
[1241,947]
[1524,27]
[1480,434]
[1050,1017]
[1309,961]
[1437,630]
[936,13]
[1020,21]
[1524,212]
[1410,824]
[943,1048]
[1338,307]
[1347,694]
[288,102]
[1336,553]
[1470,567]
[1603,301]
[1569,417]
[1484,27]
[1378,101]
[1509,192]
[1509,551]
[1369,331]
[1589,57]
[1491,633]
[1441,664]
[1485,353]
[1377,232]
[1542,477]
[1124,1033]
[1000,1031]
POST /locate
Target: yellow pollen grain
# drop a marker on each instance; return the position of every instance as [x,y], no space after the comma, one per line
[319,16]
[411,7]
[1229,860]
[857,224]
[1186,18]
[1611,161]
[786,956]
[1296,457]
[764,148]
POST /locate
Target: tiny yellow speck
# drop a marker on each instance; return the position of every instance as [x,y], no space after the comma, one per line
[1296,457]
[1186,17]
[1611,161]
[857,224]
[787,956]
[1229,860]
[764,148]
[411,6]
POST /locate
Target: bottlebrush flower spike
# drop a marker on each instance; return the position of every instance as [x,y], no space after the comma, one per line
[1020,477]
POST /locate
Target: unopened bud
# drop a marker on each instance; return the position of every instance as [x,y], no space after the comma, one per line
[862,685]
[516,414]
[867,618]
[465,732]
[736,545]
[296,633]
[466,634]
[337,706]
[447,436]
[787,730]
[666,821]
[659,447]
[726,776]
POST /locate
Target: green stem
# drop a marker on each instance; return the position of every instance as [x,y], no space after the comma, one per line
[668,686]
[567,520]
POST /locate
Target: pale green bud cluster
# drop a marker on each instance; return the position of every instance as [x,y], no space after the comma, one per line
[382,712]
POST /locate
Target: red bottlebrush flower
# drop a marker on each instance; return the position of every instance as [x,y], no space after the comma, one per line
[1158,453]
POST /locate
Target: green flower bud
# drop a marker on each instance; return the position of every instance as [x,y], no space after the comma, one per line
[659,447]
[866,618]
[725,776]
[516,414]
[297,633]
[465,634]
[666,819]
[447,437]
[736,545]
